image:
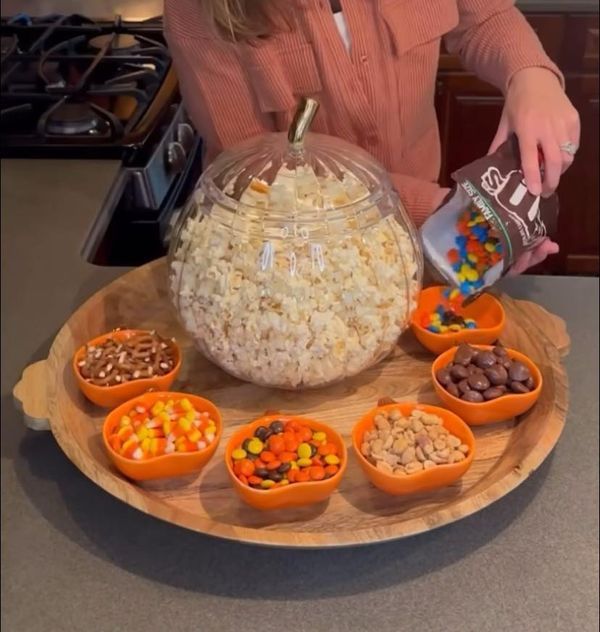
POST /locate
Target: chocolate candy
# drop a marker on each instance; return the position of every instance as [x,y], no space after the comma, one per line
[443,376]
[478,382]
[473,396]
[443,321]
[464,387]
[476,250]
[458,372]
[477,375]
[518,372]
[492,393]
[497,374]
[464,354]
[518,387]
[446,317]
[485,359]
[453,389]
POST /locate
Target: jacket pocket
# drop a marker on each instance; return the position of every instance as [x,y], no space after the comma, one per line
[412,23]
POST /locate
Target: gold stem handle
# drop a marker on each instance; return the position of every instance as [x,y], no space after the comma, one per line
[305,113]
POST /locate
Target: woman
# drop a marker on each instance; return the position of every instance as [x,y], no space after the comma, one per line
[372,64]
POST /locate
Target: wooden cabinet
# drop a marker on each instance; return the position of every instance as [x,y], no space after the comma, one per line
[469,111]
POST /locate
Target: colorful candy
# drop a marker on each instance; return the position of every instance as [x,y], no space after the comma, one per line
[476,251]
[283,453]
[167,427]
[446,317]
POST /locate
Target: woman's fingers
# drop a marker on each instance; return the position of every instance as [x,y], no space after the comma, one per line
[533,257]
[528,147]
[553,163]
[545,249]
[566,134]
[502,134]
[520,265]
[573,125]
[569,132]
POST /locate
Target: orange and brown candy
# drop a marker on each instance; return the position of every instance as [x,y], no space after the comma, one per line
[283,453]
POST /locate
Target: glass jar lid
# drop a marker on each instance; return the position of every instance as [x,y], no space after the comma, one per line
[311,182]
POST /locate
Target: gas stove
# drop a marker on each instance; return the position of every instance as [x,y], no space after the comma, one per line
[73,86]
[76,87]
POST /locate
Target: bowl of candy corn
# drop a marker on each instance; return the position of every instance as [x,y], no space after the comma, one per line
[281,461]
[440,322]
[162,435]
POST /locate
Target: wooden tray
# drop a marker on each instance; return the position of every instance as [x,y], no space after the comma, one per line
[507,453]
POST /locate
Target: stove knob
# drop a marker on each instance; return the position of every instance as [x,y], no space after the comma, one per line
[185,135]
[176,157]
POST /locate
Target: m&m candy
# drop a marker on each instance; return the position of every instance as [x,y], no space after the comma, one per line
[475,251]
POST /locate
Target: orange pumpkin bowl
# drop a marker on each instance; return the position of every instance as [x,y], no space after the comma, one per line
[500,409]
[295,494]
[165,465]
[425,480]
[486,311]
[111,396]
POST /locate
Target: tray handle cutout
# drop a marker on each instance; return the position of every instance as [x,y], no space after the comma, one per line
[30,396]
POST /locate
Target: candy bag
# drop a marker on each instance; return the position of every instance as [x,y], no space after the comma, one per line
[487,221]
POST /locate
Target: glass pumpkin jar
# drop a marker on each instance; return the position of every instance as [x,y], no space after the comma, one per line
[294,264]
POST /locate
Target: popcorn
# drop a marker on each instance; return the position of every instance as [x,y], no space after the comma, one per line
[294,310]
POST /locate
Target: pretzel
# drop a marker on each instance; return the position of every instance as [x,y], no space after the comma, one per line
[114,362]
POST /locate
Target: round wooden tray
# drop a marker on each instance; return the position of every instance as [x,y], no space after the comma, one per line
[507,452]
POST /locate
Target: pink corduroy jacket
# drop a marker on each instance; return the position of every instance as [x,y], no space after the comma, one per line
[380,95]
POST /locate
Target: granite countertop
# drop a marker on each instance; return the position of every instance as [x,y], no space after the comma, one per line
[74,559]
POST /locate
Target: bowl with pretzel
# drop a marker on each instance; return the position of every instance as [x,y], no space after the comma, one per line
[117,366]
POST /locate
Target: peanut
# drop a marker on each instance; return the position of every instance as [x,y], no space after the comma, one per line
[453,441]
[457,456]
[401,446]
[407,456]
[415,466]
[417,425]
[377,445]
[385,467]
[439,444]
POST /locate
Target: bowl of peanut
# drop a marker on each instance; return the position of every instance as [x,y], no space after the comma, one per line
[125,363]
[406,447]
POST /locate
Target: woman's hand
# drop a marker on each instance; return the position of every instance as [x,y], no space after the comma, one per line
[531,258]
[539,112]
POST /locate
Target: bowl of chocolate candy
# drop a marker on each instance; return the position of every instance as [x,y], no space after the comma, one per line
[485,384]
